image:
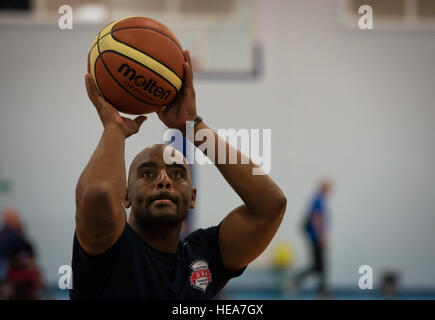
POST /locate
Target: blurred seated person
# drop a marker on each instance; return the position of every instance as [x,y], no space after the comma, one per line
[19,275]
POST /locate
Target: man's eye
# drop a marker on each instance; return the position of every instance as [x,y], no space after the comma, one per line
[148,174]
[176,174]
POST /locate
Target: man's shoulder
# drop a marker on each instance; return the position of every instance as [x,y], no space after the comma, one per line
[202,237]
[125,240]
[203,232]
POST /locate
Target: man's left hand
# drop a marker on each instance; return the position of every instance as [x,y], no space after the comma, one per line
[183,107]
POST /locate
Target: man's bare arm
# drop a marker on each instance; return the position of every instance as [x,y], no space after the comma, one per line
[247,230]
[100,217]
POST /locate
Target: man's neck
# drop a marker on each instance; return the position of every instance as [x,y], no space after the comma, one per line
[163,238]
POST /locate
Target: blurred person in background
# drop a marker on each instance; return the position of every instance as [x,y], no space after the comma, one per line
[390,284]
[19,275]
[316,228]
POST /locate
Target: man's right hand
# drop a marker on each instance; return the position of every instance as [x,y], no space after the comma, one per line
[108,114]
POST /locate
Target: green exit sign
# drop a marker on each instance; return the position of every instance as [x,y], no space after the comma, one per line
[5,186]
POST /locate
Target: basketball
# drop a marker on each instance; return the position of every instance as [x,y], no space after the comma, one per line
[137,64]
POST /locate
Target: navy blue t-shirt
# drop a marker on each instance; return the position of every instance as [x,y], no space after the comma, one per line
[132,269]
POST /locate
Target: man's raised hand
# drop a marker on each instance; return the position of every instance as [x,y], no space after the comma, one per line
[183,107]
[108,114]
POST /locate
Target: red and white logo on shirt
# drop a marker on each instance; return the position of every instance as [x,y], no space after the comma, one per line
[200,277]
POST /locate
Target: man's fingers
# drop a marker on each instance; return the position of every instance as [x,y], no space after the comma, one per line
[139,120]
[88,88]
[187,55]
[188,70]
[163,111]
[188,80]
[92,90]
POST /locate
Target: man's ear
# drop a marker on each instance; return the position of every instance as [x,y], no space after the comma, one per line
[126,203]
[193,198]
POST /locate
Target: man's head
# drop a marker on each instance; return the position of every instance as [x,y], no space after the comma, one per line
[159,193]
[11,219]
[325,187]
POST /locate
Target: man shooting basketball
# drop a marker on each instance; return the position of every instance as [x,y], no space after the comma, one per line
[143,258]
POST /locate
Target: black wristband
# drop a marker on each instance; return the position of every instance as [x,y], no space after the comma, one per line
[197,120]
[190,125]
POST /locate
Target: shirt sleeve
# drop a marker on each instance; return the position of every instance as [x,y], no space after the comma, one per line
[221,275]
[90,271]
[318,205]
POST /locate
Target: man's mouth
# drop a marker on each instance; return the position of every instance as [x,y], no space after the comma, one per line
[163,199]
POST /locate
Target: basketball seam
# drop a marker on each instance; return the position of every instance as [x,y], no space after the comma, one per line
[107,69]
[148,28]
[147,54]
[145,29]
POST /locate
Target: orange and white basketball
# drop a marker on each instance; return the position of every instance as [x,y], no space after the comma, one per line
[137,64]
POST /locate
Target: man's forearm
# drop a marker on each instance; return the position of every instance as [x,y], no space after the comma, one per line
[259,193]
[106,168]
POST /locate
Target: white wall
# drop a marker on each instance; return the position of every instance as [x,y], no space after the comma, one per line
[354,105]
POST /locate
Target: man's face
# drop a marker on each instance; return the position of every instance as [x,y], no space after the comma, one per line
[157,192]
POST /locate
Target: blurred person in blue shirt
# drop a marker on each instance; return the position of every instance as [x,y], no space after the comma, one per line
[316,228]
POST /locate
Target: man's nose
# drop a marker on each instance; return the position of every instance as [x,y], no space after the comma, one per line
[164,181]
